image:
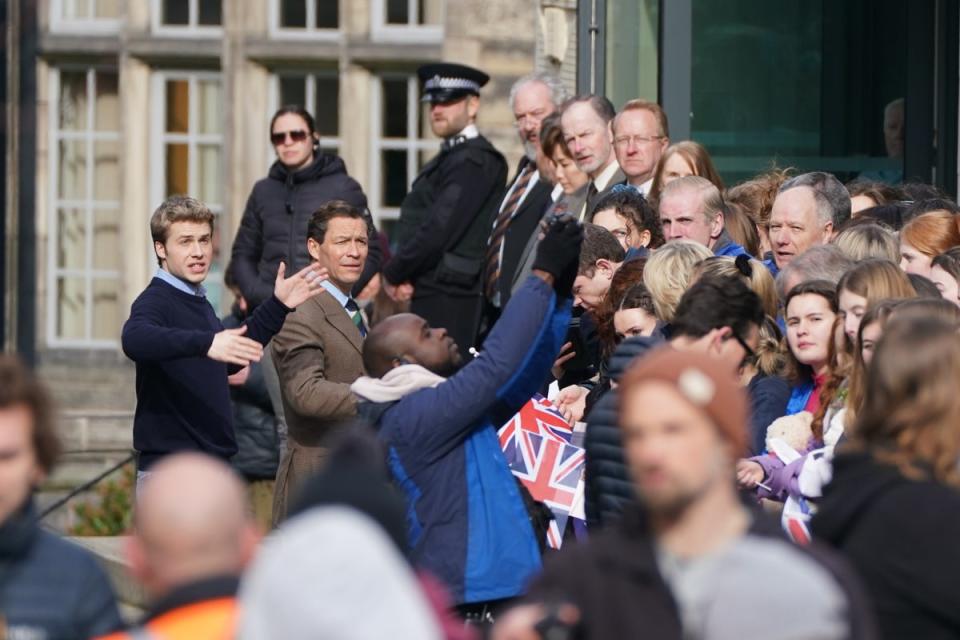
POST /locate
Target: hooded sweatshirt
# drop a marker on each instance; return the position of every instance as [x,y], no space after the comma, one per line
[901,536]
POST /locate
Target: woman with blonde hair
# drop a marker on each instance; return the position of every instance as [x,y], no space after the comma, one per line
[867,238]
[687,158]
[924,238]
[893,504]
[753,273]
[668,273]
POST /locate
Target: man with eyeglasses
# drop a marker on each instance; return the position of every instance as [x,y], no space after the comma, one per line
[445,219]
[533,98]
[640,136]
[586,130]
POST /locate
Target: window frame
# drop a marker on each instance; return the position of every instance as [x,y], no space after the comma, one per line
[192,29]
[382,31]
[160,138]
[310,32]
[412,145]
[91,26]
[54,272]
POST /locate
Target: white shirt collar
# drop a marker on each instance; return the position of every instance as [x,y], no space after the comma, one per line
[334,290]
[602,181]
[556,193]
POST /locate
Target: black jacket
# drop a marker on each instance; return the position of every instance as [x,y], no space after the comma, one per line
[608,486]
[254,424]
[274,224]
[901,536]
[50,588]
[768,401]
[446,218]
[615,582]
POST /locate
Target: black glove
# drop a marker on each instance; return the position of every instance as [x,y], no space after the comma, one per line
[559,253]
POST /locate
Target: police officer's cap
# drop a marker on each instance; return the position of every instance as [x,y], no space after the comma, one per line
[447,82]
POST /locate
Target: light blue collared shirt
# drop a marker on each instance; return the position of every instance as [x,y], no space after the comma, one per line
[177,283]
[338,295]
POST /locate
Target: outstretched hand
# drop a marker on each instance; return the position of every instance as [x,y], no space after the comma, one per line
[231,347]
[299,287]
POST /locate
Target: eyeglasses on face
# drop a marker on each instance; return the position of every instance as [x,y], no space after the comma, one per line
[278,137]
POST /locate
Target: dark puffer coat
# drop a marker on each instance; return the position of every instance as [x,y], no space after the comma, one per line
[274,224]
[608,486]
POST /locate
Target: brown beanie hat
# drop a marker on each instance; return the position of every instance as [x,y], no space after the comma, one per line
[705,382]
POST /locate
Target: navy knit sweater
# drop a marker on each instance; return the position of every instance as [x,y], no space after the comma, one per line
[183,399]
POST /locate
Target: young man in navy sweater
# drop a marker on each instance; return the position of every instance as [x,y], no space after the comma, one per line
[182,352]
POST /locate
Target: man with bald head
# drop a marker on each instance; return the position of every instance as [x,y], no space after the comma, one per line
[467,521]
[192,539]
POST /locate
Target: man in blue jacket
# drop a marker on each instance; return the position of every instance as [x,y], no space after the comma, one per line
[182,352]
[466,518]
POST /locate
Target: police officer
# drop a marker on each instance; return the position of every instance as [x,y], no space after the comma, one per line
[446,218]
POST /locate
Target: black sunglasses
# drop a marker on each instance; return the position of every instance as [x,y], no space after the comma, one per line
[751,354]
[297,136]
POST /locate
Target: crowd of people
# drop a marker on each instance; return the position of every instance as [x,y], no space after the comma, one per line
[762,378]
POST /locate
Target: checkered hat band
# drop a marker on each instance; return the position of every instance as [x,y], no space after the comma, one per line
[437,82]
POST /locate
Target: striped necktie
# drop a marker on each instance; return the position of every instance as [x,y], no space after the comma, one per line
[354,310]
[500,230]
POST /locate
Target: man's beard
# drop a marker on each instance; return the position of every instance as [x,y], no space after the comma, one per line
[530,150]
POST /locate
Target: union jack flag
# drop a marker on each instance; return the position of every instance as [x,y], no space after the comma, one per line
[536,443]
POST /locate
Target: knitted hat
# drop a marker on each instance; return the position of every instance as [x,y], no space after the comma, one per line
[704,382]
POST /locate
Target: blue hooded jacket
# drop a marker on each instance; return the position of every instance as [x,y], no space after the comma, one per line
[466,519]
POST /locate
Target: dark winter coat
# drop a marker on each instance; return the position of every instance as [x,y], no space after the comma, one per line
[608,486]
[50,588]
[254,424]
[901,536]
[274,224]
[768,401]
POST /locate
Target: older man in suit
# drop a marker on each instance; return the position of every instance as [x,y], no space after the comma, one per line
[318,351]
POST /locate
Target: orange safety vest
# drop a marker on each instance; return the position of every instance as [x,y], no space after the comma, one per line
[214,619]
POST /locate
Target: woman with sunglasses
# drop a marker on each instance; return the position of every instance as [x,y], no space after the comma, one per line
[274,224]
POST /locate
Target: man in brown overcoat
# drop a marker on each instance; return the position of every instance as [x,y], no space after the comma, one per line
[318,351]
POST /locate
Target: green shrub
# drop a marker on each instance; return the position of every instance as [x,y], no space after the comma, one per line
[108,513]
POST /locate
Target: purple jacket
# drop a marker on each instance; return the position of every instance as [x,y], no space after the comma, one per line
[781,478]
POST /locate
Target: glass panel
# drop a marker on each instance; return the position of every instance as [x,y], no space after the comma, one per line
[398,12]
[293,90]
[828,106]
[209,12]
[107,9]
[394,108]
[632,28]
[71,320]
[106,239]
[178,172]
[293,14]
[209,106]
[72,173]
[327,103]
[175,12]
[210,176]
[328,14]
[106,106]
[73,101]
[106,309]
[395,182]
[329,147]
[423,123]
[106,170]
[71,239]
[178,106]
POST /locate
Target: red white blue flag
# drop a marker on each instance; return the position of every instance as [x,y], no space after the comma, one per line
[537,445]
